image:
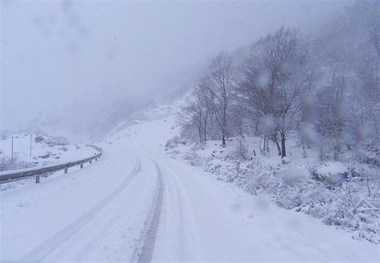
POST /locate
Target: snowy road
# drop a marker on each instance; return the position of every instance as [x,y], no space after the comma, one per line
[137,206]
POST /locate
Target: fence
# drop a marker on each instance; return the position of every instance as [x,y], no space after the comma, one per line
[8,176]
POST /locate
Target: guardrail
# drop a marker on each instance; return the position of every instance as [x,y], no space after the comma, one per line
[9,176]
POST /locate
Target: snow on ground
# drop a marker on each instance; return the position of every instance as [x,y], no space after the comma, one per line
[151,132]
[234,225]
[344,193]
[138,204]
[45,150]
[90,214]
[304,184]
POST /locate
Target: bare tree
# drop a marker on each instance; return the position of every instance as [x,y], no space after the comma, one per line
[354,69]
[373,24]
[198,111]
[275,79]
[331,122]
[220,83]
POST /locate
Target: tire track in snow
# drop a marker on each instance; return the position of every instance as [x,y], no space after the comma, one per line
[174,208]
[51,244]
[187,241]
[145,247]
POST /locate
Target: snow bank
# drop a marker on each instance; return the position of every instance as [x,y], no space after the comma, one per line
[303,184]
[38,150]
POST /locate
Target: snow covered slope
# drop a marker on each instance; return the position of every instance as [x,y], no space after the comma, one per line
[234,225]
[37,150]
[151,131]
[137,204]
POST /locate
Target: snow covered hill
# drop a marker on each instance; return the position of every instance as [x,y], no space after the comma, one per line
[37,150]
[152,131]
[138,203]
[302,184]
[158,133]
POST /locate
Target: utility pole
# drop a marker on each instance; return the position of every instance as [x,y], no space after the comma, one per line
[12,150]
[30,148]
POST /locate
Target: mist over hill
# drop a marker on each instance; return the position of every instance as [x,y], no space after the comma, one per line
[77,67]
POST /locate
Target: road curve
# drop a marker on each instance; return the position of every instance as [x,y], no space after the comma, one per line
[53,243]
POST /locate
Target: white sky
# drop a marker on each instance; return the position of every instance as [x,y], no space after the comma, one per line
[70,60]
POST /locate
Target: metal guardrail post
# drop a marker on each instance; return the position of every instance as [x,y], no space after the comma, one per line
[12,150]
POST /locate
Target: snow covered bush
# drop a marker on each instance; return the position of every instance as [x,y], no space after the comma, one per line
[330,172]
[346,205]
[38,139]
[54,141]
[174,142]
[340,194]
[193,158]
[241,151]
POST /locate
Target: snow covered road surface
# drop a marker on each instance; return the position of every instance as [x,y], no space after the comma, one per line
[87,215]
[144,251]
[231,225]
[135,205]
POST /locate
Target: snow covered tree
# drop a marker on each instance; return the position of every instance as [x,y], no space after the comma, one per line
[198,110]
[220,82]
[348,46]
[275,79]
[332,112]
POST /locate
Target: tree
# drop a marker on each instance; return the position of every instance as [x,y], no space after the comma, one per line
[198,111]
[275,79]
[220,81]
[331,122]
[349,48]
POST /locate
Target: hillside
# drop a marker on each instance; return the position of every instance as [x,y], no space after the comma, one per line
[38,150]
[301,182]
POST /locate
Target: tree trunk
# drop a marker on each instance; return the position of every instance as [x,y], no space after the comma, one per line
[278,147]
[223,140]
[283,149]
[205,128]
[275,141]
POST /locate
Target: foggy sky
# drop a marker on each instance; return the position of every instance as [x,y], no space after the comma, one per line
[68,63]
